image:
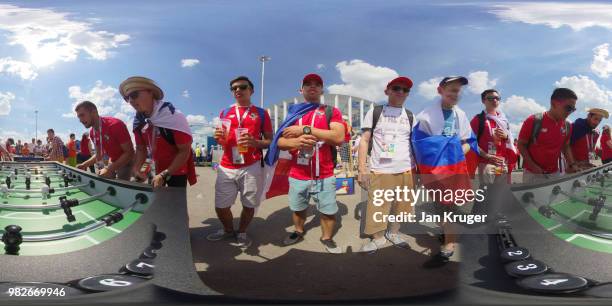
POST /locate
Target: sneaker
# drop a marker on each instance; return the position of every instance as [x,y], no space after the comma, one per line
[331,246]
[396,240]
[293,238]
[373,245]
[242,241]
[220,235]
[438,260]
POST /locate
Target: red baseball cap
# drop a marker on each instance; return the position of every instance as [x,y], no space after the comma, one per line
[313,77]
[401,80]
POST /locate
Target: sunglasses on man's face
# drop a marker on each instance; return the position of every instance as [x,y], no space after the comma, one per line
[132,96]
[570,108]
[493,98]
[241,87]
[400,89]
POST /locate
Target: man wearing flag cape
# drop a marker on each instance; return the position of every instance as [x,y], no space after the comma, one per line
[498,154]
[163,130]
[442,139]
[309,134]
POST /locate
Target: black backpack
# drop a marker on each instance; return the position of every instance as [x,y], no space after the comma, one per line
[537,126]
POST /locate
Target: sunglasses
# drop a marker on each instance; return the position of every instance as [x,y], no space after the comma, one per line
[493,98]
[570,108]
[400,89]
[241,87]
[132,96]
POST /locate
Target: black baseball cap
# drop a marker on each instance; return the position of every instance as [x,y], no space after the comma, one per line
[448,79]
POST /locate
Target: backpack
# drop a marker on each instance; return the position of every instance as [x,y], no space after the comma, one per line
[537,126]
[65,151]
[376,115]
[481,124]
[262,117]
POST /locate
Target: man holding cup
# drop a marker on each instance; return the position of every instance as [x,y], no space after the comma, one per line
[244,130]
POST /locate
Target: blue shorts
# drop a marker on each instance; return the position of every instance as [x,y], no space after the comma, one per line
[324,194]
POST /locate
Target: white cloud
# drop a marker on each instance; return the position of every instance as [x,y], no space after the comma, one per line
[589,93]
[577,16]
[25,71]
[363,80]
[320,66]
[429,88]
[189,62]
[479,82]
[106,98]
[5,102]
[196,120]
[602,65]
[185,94]
[49,36]
[518,108]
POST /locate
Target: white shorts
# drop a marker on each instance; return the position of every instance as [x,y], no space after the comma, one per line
[248,181]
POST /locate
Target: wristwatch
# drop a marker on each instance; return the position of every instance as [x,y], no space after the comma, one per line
[165,175]
[307,130]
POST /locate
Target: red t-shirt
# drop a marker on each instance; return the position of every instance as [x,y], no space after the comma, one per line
[347,134]
[486,137]
[114,133]
[546,150]
[85,147]
[606,150]
[580,148]
[164,152]
[252,122]
[326,164]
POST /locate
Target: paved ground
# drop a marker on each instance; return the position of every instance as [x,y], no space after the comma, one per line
[306,270]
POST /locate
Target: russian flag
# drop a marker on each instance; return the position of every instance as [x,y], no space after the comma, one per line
[441,161]
[277,163]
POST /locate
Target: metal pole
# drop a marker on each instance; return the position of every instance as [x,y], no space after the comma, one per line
[36,132]
[263,59]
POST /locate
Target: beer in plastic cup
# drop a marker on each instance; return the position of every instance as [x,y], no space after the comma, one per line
[240,132]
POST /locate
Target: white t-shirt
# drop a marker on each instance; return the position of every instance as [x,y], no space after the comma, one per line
[391,151]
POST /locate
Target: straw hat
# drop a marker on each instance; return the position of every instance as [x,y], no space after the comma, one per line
[140,83]
[599,111]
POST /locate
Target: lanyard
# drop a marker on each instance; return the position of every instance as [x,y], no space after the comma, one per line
[246,112]
[316,148]
[152,137]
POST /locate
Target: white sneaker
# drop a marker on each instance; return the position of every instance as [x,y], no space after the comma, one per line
[220,235]
[242,241]
[396,240]
[373,245]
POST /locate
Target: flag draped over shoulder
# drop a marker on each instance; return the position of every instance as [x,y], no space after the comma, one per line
[441,161]
[166,116]
[277,163]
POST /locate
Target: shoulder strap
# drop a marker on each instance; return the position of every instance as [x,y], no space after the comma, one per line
[411,121]
[375,116]
[568,128]
[481,124]
[168,135]
[329,112]
[262,118]
[537,126]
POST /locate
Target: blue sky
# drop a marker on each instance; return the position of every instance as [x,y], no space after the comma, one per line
[53,54]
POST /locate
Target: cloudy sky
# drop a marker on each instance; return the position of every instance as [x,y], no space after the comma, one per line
[54,54]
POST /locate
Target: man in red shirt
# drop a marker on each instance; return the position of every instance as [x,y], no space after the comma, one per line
[606,145]
[116,143]
[541,151]
[72,152]
[584,137]
[161,129]
[495,140]
[310,140]
[240,172]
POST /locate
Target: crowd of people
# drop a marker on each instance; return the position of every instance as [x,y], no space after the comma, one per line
[387,154]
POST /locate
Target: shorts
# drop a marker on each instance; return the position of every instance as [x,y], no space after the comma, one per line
[324,194]
[247,180]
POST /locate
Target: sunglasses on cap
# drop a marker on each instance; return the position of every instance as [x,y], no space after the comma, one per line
[400,89]
[493,98]
[241,87]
